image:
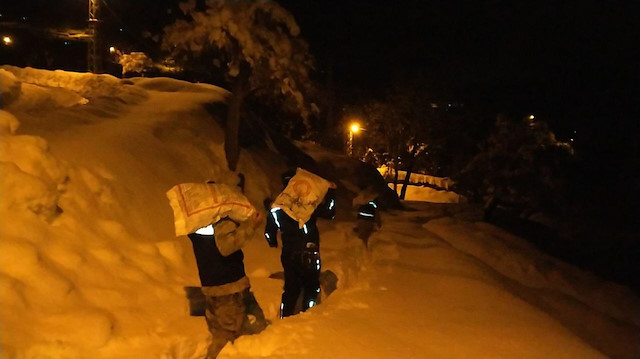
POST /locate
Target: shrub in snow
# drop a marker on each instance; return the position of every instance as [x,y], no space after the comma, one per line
[136,62]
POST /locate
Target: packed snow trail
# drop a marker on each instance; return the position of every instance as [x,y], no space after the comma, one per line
[417,297]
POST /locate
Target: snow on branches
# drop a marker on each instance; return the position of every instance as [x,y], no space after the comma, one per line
[256,42]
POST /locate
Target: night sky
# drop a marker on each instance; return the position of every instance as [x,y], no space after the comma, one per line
[573,63]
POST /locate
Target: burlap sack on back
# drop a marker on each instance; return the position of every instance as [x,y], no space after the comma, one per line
[302,195]
[196,205]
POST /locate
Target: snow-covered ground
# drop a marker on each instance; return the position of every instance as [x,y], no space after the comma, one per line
[416,178]
[90,267]
[428,194]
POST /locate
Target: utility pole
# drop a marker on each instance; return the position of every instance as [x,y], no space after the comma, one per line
[94,59]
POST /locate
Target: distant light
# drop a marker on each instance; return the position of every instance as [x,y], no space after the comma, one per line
[7,40]
[571,139]
[531,117]
[67,43]
[354,127]
[120,29]
[24,18]
[112,50]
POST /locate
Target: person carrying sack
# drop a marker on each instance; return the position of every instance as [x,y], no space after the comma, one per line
[217,247]
[294,213]
[368,218]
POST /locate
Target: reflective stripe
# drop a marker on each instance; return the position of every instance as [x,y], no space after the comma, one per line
[206,231]
[267,235]
[373,204]
[304,227]
[311,303]
[275,215]
[366,214]
[331,204]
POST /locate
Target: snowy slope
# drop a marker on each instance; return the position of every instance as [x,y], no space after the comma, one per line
[90,267]
[88,258]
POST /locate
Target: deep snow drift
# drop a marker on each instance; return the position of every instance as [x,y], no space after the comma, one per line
[90,266]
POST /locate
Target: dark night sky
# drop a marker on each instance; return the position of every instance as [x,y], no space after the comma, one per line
[575,63]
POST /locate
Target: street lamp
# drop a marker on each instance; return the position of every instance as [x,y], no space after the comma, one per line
[353,128]
[7,40]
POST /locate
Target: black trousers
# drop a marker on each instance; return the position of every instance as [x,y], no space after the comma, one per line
[301,276]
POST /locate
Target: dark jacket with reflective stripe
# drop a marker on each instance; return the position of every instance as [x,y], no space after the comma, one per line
[368,211]
[215,269]
[295,238]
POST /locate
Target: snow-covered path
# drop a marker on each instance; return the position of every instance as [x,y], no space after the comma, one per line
[417,297]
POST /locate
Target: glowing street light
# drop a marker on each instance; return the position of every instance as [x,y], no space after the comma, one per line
[531,117]
[112,50]
[7,40]
[354,128]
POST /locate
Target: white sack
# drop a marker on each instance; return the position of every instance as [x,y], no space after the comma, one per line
[302,195]
[196,205]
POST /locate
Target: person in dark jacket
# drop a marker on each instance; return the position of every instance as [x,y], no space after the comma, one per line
[368,217]
[368,221]
[300,252]
[224,283]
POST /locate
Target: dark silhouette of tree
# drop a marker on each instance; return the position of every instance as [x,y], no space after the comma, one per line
[417,131]
[254,47]
[522,166]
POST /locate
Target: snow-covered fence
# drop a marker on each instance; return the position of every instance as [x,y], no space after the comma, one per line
[417,178]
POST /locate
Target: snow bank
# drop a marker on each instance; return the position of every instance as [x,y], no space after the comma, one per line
[89,264]
[173,85]
[32,179]
[602,313]
[86,85]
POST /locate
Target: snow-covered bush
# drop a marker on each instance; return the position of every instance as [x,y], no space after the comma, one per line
[135,62]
